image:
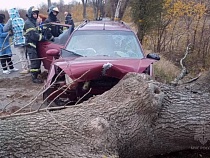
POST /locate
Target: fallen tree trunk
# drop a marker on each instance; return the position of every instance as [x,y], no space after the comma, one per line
[136,118]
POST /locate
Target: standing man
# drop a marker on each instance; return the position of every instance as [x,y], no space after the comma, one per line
[16,25]
[69,20]
[32,37]
[52,17]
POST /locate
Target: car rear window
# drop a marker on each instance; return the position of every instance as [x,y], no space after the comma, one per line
[105,43]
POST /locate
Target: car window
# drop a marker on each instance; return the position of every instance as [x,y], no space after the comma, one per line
[105,43]
[62,38]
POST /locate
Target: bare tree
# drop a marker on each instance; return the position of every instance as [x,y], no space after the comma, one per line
[49,3]
[120,9]
[98,7]
[138,117]
[84,3]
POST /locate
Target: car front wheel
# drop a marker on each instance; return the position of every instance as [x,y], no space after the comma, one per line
[49,99]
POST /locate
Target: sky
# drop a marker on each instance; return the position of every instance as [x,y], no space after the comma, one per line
[25,4]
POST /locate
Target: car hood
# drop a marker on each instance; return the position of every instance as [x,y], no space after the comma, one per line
[89,68]
[85,68]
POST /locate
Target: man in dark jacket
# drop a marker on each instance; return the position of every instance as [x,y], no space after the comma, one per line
[32,37]
[52,18]
[68,19]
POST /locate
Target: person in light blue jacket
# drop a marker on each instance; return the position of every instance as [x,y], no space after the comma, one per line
[5,49]
[16,25]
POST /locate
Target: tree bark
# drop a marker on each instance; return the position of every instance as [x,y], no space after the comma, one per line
[84,3]
[123,8]
[137,118]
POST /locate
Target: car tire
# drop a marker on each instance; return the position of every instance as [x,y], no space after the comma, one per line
[47,102]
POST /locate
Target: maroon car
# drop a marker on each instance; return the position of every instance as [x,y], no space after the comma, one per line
[95,57]
[58,44]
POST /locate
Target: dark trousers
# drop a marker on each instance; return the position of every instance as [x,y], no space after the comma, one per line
[6,60]
[33,55]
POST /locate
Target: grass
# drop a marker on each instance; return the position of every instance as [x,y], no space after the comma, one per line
[165,71]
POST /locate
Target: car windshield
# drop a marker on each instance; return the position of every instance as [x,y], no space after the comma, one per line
[105,43]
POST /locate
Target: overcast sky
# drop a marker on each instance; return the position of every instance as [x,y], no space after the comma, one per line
[25,4]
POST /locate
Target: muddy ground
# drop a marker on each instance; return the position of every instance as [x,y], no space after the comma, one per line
[16,92]
[19,91]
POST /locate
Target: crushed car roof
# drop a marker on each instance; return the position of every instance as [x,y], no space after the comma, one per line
[104,25]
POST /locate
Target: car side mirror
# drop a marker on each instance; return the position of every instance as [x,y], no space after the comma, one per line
[52,52]
[153,56]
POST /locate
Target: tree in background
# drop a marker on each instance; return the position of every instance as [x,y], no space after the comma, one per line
[111,5]
[49,3]
[146,14]
[169,26]
[113,8]
[84,3]
[120,10]
[91,9]
[61,6]
[98,8]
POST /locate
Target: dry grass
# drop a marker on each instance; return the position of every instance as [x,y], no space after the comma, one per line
[165,71]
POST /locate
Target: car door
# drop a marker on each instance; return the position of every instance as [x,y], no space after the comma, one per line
[42,48]
[58,44]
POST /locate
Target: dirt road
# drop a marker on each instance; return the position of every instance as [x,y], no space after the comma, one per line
[17,90]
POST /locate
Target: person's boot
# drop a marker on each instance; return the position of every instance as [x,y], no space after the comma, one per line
[39,72]
[35,79]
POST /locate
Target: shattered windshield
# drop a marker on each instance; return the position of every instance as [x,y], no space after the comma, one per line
[105,43]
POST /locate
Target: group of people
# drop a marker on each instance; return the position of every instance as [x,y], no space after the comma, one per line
[26,35]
